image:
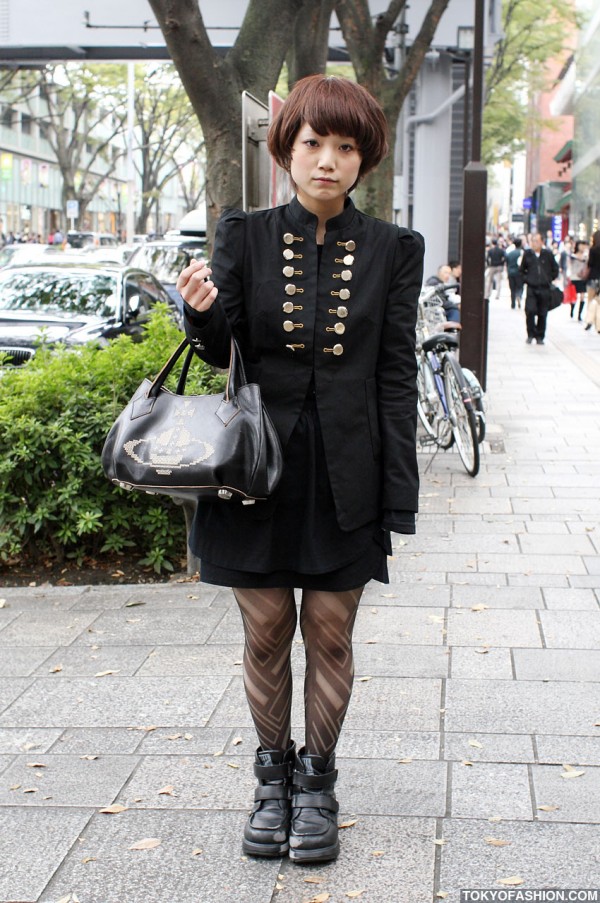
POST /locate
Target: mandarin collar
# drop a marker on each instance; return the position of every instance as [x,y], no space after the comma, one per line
[306,218]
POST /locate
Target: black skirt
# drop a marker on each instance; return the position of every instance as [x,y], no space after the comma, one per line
[293,539]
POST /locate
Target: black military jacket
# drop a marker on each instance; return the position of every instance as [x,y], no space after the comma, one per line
[348,323]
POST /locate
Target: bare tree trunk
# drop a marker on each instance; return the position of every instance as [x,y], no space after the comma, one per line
[310,48]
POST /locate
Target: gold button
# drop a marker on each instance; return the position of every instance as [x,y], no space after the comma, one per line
[338,349]
[339,329]
[288,271]
[342,312]
[288,326]
[344,294]
[346,275]
[350,245]
[288,307]
[288,254]
[348,260]
[288,238]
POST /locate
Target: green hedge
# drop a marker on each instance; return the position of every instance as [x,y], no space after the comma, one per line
[55,412]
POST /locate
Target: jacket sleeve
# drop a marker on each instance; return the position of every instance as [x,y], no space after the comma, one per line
[210,332]
[397,380]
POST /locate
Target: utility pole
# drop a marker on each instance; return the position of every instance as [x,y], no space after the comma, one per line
[474,307]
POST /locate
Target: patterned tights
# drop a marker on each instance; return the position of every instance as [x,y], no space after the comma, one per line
[326,622]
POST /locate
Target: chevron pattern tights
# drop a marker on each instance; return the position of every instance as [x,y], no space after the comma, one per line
[326,621]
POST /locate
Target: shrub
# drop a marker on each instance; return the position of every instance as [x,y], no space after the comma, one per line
[55,412]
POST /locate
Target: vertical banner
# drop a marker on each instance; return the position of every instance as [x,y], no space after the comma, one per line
[44,175]
[25,171]
[6,167]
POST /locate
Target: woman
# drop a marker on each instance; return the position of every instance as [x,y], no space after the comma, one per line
[576,270]
[322,300]
[593,284]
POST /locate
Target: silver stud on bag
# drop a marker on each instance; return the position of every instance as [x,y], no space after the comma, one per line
[225,494]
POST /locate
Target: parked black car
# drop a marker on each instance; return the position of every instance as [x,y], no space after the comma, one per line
[165,258]
[73,303]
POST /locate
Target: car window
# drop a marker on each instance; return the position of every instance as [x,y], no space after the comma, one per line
[53,290]
[147,288]
[164,263]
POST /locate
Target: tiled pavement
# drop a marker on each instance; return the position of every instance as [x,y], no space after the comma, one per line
[477,682]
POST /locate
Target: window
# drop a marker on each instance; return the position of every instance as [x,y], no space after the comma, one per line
[7,117]
[26,124]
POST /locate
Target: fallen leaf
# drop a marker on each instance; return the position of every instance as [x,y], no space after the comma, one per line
[89,859]
[348,824]
[442,894]
[238,663]
[495,842]
[495,818]
[133,604]
[355,893]
[548,808]
[480,607]
[482,651]
[197,852]
[314,880]
[118,574]
[56,669]
[67,899]
[167,791]
[148,843]
[14,787]
[236,741]
[571,772]
[30,790]
[466,762]
[370,642]
[440,842]
[378,853]
[114,809]
[320,898]
[89,758]
[513,880]
[36,765]
[279,886]
[476,744]
[2,603]
[233,765]
[405,761]
[174,737]
[105,673]
[363,679]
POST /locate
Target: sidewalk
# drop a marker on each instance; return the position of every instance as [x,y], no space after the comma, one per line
[477,683]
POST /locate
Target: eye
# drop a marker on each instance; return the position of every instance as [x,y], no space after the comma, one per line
[347,147]
[311,142]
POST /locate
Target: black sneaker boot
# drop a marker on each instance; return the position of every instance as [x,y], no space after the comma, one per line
[268,826]
[314,829]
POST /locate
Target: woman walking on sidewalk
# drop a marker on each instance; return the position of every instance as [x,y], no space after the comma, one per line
[593,284]
[322,300]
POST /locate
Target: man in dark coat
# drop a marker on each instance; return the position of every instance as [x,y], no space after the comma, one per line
[539,270]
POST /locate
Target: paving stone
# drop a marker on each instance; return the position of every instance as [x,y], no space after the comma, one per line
[477,505]
[473,579]
[557,664]
[537,852]
[592,565]
[571,630]
[490,790]
[586,507]
[523,707]
[578,799]
[405,860]
[570,599]
[416,745]
[22,661]
[7,617]
[46,628]
[199,659]
[32,740]
[34,841]
[229,628]
[438,561]
[196,741]
[547,527]
[512,597]
[116,702]
[532,564]
[481,662]
[399,625]
[10,689]
[554,749]
[407,661]
[66,780]
[87,661]
[584,582]
[27,600]
[402,594]
[5,761]
[407,703]
[544,544]
[98,741]
[184,595]
[492,747]
[371,787]
[171,871]
[540,580]
[495,627]
[459,543]
[160,626]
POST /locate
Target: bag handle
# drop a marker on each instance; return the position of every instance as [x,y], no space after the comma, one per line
[235,378]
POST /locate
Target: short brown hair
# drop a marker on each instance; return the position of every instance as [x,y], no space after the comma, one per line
[331,106]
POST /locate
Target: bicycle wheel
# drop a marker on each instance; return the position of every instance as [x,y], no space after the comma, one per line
[430,407]
[478,403]
[462,416]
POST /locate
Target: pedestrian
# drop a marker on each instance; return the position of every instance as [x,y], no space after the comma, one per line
[577,267]
[539,269]
[593,284]
[515,280]
[322,300]
[495,259]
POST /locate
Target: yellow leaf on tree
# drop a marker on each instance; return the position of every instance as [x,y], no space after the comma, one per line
[148,843]
[512,881]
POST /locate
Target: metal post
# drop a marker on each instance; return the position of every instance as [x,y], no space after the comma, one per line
[474,307]
[130,168]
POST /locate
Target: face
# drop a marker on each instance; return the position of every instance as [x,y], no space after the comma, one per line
[536,243]
[323,168]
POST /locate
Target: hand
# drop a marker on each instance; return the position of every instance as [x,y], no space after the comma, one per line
[196,287]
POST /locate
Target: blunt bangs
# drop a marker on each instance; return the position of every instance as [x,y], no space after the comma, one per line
[330,105]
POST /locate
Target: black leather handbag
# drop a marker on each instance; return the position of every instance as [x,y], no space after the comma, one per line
[195,446]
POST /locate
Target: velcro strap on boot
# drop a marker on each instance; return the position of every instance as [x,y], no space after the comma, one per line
[273,772]
[272,792]
[315,801]
[315,781]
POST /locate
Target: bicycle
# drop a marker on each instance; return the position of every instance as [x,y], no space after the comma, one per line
[445,399]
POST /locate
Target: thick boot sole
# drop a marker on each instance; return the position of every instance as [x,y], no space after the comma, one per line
[266,850]
[324,854]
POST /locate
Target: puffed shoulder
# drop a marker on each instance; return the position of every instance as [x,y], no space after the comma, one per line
[413,242]
[232,214]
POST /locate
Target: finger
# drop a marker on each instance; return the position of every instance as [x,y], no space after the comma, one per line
[196,267]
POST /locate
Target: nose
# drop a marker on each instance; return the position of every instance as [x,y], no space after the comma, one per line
[326,158]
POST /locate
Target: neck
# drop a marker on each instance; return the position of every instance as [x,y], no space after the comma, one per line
[323,212]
